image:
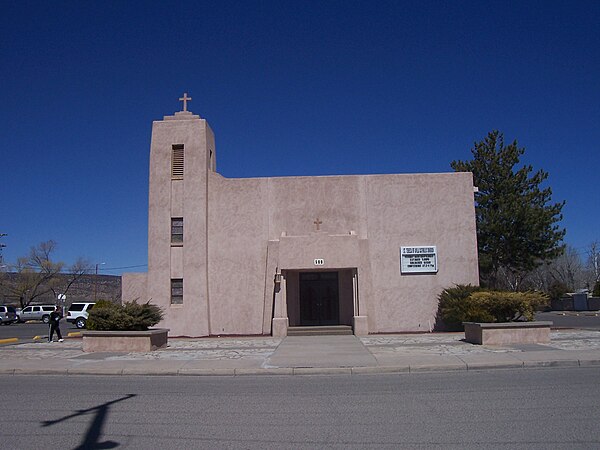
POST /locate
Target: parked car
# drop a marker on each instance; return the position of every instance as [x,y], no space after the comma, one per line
[8,315]
[36,312]
[78,313]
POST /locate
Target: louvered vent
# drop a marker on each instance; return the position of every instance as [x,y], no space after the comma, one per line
[177,162]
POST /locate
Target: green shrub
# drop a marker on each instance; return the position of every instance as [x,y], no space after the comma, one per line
[509,306]
[557,290]
[466,303]
[455,307]
[596,291]
[144,315]
[106,316]
[131,316]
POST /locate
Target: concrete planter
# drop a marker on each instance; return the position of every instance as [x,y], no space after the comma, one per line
[507,333]
[124,341]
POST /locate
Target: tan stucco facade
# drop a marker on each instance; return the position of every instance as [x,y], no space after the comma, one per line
[261,254]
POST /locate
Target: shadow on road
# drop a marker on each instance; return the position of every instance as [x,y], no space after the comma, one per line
[90,440]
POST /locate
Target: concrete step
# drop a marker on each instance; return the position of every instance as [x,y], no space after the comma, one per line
[330,330]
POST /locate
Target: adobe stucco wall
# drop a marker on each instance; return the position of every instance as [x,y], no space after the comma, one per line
[179,198]
[237,251]
[135,287]
[384,212]
[411,210]
[239,232]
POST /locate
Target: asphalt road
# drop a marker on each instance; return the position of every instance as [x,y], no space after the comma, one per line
[545,408]
[572,319]
[25,331]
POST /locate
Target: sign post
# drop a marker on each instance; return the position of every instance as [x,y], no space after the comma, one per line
[61,300]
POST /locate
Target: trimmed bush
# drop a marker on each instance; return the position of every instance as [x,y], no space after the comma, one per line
[596,291]
[131,316]
[455,307]
[509,306]
[466,303]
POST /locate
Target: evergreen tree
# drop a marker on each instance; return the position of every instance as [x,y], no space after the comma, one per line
[517,225]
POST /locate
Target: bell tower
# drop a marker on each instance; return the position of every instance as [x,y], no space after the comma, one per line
[182,152]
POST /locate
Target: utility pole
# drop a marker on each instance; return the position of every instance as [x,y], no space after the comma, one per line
[1,247]
[96,281]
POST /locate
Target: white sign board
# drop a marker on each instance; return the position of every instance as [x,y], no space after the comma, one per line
[319,262]
[420,259]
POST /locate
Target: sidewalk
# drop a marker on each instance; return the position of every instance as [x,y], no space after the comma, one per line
[304,355]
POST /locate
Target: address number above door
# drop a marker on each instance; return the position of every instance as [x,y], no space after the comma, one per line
[319,262]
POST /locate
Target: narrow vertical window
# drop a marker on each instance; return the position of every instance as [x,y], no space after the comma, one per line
[177,162]
[177,230]
[176,291]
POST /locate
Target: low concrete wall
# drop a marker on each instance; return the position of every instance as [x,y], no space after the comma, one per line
[124,341]
[507,333]
[594,303]
[562,304]
[570,304]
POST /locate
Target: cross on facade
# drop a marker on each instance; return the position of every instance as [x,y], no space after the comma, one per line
[318,222]
[185,99]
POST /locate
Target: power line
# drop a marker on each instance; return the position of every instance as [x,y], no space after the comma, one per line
[120,268]
[65,270]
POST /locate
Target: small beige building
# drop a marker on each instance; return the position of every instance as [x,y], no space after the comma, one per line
[256,256]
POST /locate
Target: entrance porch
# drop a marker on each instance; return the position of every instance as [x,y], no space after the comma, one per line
[318,302]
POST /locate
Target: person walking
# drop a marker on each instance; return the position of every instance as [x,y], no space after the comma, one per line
[55,317]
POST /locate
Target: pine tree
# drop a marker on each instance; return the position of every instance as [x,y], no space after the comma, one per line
[517,225]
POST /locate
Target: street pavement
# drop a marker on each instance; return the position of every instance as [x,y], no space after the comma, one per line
[304,355]
[588,320]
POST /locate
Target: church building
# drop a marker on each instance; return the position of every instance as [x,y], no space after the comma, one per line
[264,256]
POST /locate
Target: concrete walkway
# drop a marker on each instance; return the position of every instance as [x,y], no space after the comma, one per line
[303,355]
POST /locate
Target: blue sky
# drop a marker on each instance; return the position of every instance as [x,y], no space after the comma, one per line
[289,88]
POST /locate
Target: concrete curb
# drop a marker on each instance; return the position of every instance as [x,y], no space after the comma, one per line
[265,371]
[93,371]
[589,362]
[192,372]
[322,371]
[39,371]
[501,365]
[554,363]
[297,371]
[380,370]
